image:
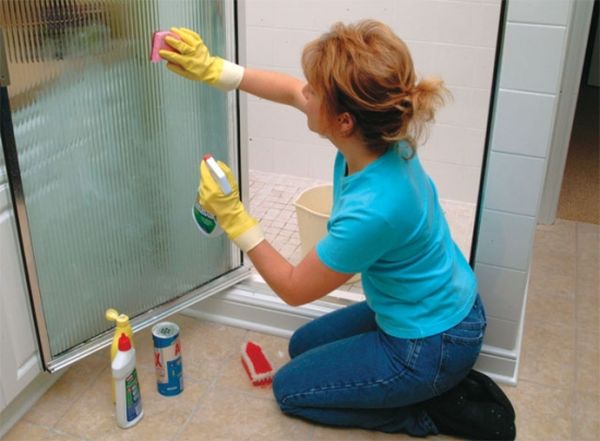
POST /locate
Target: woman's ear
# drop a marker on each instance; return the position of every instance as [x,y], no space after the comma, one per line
[345,123]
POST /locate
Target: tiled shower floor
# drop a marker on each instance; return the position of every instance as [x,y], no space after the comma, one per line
[272,199]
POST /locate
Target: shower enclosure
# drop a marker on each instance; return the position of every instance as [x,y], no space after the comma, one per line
[102,150]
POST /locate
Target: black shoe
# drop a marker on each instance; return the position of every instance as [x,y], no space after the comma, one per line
[476,408]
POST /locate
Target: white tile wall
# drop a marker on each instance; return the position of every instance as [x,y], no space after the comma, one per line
[500,333]
[474,70]
[517,180]
[516,114]
[462,23]
[461,182]
[443,138]
[539,11]
[532,57]
[455,40]
[523,122]
[498,286]
[505,240]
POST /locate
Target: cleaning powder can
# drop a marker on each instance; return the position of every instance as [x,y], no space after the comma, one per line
[167,358]
[127,388]
[205,221]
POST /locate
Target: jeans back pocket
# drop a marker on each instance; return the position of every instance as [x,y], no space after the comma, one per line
[461,345]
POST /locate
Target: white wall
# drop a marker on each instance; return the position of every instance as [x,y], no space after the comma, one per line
[532,66]
[453,39]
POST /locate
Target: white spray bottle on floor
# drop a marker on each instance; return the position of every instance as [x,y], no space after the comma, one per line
[205,221]
[127,387]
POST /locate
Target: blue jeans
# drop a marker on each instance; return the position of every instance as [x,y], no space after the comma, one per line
[347,372]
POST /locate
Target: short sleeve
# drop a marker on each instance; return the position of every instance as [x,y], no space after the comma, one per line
[355,241]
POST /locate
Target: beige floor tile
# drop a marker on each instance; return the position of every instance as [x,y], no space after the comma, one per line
[548,280]
[93,416]
[26,431]
[240,416]
[588,273]
[79,377]
[553,306]
[57,436]
[206,349]
[543,413]
[587,308]
[589,234]
[587,417]
[555,248]
[48,410]
[551,260]
[587,378]
[548,354]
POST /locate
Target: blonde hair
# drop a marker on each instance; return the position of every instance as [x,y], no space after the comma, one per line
[366,70]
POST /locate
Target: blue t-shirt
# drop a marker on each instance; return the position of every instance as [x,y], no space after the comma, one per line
[387,223]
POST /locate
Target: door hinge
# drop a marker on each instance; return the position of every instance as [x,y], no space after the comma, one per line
[4,76]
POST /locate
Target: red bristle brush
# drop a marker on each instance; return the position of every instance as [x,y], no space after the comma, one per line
[256,364]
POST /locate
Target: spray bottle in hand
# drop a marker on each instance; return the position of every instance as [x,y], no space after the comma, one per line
[204,220]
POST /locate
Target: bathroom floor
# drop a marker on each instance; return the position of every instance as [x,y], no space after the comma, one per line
[557,397]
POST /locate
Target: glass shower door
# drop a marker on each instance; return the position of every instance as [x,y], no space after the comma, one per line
[103,164]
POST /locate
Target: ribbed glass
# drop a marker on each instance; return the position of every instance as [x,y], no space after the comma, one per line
[109,145]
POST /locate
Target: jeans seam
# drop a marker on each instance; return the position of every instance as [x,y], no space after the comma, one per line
[414,353]
[351,386]
[439,368]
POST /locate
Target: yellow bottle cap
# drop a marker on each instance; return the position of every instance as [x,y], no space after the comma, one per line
[113,316]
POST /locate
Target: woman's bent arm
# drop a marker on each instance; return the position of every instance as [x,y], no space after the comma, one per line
[296,285]
[274,86]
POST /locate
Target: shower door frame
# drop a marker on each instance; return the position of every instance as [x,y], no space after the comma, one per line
[240,272]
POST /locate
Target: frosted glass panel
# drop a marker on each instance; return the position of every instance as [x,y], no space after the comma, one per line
[108,145]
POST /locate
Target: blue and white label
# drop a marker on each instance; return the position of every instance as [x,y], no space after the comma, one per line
[167,359]
[133,398]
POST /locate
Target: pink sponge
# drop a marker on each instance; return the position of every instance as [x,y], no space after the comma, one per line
[158,44]
[256,364]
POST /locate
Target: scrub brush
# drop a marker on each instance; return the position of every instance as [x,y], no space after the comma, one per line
[256,364]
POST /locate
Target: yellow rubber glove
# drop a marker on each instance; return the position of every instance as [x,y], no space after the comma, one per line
[231,215]
[193,61]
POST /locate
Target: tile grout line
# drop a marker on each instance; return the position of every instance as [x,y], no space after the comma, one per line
[211,387]
[73,403]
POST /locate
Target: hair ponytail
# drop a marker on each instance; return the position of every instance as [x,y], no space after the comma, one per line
[427,96]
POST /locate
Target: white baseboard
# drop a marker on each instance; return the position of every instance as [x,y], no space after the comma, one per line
[26,399]
[244,307]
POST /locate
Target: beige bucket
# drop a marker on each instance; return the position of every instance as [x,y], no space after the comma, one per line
[313,208]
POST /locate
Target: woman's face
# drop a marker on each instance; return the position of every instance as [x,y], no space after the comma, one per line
[315,114]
